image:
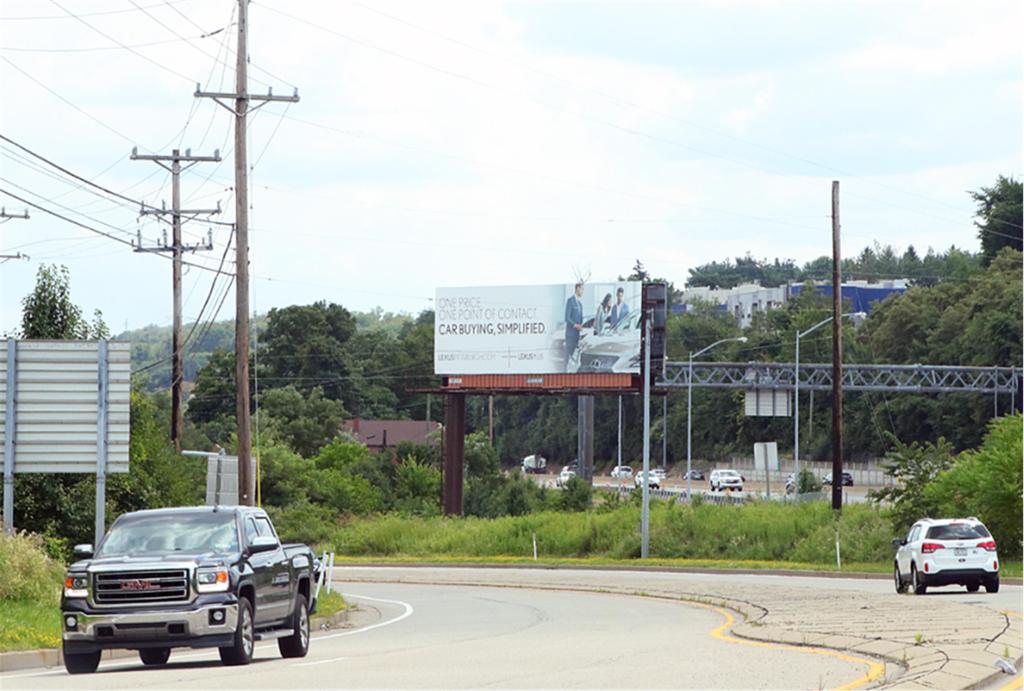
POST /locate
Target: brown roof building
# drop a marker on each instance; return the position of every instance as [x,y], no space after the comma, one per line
[386,434]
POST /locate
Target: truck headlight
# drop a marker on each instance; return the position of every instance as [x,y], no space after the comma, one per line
[212,580]
[76,585]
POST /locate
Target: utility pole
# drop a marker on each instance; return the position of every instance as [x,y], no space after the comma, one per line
[4,217]
[837,358]
[241,109]
[172,163]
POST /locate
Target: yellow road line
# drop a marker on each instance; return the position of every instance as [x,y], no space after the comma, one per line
[1015,684]
[1010,612]
[875,669]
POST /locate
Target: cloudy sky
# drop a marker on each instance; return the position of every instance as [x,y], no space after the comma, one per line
[464,143]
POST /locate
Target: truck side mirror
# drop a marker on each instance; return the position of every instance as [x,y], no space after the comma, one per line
[263,543]
[83,551]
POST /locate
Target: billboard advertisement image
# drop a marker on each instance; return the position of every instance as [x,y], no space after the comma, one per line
[544,329]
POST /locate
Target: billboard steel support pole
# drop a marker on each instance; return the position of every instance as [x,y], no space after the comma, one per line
[103,387]
[620,433]
[9,428]
[454,448]
[645,513]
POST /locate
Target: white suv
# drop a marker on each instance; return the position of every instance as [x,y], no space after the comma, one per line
[946,551]
[722,480]
[654,478]
[622,471]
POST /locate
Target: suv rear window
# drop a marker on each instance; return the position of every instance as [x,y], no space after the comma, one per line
[957,531]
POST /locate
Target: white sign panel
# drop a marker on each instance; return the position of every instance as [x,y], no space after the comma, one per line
[767,403]
[545,329]
[56,409]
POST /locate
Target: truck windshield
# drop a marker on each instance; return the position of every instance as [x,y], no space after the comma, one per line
[191,532]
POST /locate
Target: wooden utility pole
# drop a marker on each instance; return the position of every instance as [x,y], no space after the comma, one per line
[176,248]
[837,357]
[241,108]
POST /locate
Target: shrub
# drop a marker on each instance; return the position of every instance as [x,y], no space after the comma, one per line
[987,483]
[28,573]
[576,495]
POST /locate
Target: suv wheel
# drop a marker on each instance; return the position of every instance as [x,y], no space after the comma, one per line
[916,581]
[154,656]
[901,587]
[297,645]
[240,651]
[992,584]
[81,663]
[973,587]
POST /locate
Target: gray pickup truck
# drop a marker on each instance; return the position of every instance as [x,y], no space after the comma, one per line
[192,577]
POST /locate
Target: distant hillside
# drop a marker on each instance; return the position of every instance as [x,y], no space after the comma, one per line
[151,345]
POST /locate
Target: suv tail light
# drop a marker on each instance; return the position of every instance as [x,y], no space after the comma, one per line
[929,547]
[989,545]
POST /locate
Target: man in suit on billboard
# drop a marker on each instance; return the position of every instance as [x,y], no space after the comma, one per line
[620,309]
[573,322]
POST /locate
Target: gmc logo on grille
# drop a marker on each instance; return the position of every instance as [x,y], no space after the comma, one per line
[138,584]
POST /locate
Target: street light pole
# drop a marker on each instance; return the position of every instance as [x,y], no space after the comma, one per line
[689,410]
[796,397]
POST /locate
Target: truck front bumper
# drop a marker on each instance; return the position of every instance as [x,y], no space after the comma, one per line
[202,626]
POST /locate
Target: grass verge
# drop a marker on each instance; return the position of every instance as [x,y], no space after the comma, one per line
[1010,569]
[29,625]
[329,603]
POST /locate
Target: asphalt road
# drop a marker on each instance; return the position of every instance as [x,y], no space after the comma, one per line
[475,637]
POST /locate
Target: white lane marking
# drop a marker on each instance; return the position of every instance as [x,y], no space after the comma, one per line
[407,612]
[319,662]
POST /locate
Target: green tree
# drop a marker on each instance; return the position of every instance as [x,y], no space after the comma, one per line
[913,467]
[305,422]
[49,312]
[305,346]
[1000,216]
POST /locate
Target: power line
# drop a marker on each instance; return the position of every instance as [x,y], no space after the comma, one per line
[95,49]
[89,14]
[632,104]
[131,50]
[72,221]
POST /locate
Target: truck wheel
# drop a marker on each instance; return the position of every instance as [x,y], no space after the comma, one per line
[240,652]
[297,645]
[154,656]
[81,663]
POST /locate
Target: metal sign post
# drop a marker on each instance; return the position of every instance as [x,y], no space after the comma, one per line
[102,387]
[9,426]
[645,512]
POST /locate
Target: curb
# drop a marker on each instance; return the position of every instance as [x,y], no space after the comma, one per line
[50,657]
[864,575]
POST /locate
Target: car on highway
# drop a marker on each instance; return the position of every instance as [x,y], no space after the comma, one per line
[622,471]
[694,475]
[653,479]
[190,577]
[847,480]
[948,551]
[568,472]
[725,479]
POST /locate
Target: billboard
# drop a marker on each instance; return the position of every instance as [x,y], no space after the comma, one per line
[543,329]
